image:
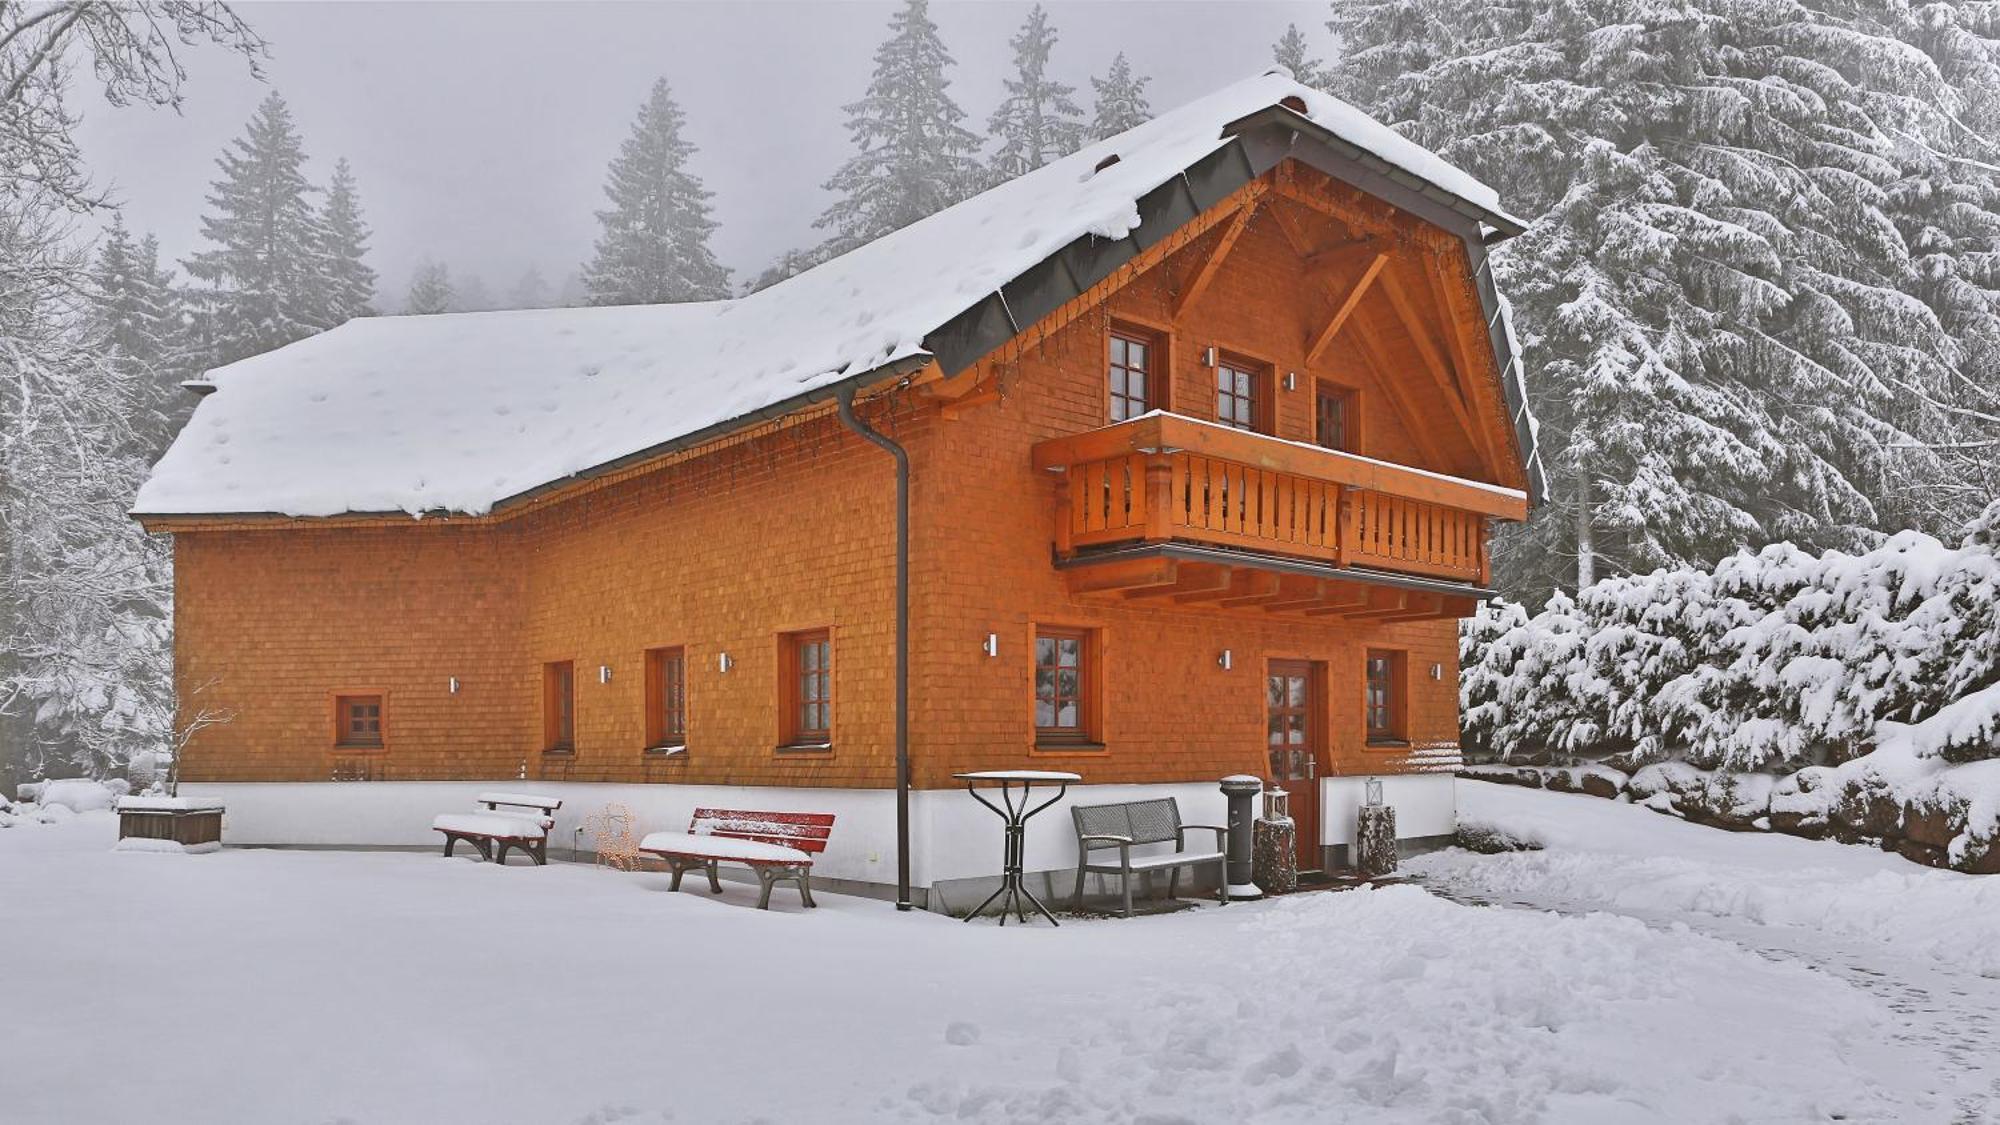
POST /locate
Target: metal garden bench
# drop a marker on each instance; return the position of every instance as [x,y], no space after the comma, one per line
[1131,824]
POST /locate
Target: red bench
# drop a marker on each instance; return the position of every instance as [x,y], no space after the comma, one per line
[774,845]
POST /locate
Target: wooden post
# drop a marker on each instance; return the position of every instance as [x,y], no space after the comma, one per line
[1159,498]
[1346,533]
[1065,537]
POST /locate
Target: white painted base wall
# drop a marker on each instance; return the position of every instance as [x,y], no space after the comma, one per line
[952,836]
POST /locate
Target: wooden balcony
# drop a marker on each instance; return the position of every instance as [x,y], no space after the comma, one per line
[1163,479]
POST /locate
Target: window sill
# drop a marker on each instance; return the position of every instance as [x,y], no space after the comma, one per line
[359,748]
[1387,744]
[559,752]
[1058,749]
[665,751]
[807,749]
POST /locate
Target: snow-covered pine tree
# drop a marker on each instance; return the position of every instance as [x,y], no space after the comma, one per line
[469,294]
[653,248]
[1038,121]
[913,158]
[530,291]
[1723,313]
[431,290]
[1292,52]
[137,312]
[262,285]
[349,284]
[1121,100]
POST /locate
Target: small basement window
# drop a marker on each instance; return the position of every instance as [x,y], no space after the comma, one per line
[358,722]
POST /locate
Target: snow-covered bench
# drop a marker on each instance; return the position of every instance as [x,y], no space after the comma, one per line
[773,845]
[1133,824]
[499,829]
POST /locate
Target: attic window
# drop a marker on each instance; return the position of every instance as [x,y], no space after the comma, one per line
[1106,162]
[1294,103]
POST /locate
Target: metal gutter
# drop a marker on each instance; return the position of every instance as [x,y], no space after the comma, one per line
[845,401]
[1188,552]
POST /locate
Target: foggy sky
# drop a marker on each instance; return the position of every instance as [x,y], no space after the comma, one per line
[479,132]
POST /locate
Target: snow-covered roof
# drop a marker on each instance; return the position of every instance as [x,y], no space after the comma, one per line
[458,413]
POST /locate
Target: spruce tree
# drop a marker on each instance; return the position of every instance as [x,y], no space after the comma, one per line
[262,282]
[1728,292]
[1292,53]
[1121,100]
[653,248]
[1038,121]
[530,291]
[430,290]
[913,158]
[349,284]
[136,313]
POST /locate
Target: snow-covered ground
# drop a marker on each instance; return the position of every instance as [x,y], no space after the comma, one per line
[266,986]
[1922,943]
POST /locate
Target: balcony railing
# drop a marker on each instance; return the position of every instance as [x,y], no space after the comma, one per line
[1163,478]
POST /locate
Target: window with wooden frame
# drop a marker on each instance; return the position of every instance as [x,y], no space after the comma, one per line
[357,722]
[1066,687]
[806,696]
[1335,425]
[1382,701]
[1241,398]
[666,698]
[559,707]
[1137,373]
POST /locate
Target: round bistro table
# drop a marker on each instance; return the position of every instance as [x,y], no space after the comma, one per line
[1014,809]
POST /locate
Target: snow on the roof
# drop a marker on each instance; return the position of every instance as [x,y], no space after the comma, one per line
[459,412]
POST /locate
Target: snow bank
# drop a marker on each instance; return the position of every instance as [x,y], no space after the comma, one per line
[75,794]
[457,413]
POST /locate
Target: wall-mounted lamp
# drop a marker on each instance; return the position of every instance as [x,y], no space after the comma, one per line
[1208,357]
[992,645]
[1227,660]
[604,673]
[454,685]
[1291,380]
[723,663]
[1437,671]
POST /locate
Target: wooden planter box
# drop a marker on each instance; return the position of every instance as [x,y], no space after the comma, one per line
[186,821]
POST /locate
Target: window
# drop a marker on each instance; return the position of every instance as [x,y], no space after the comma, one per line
[666,698]
[808,689]
[1383,703]
[1238,396]
[1333,417]
[1064,679]
[559,707]
[358,721]
[1135,369]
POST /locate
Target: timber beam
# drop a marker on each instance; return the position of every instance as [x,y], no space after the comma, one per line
[1374,268]
[1212,264]
[1124,574]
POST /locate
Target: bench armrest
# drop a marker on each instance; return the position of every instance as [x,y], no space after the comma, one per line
[1126,840]
[1221,835]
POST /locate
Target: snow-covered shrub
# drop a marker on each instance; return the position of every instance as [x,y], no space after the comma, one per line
[1771,662]
[80,794]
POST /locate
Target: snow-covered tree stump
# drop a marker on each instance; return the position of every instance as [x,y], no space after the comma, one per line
[1375,841]
[1274,864]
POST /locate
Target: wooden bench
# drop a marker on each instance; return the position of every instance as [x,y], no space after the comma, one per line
[1133,824]
[774,845]
[500,829]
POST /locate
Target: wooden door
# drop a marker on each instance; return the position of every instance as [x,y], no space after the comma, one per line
[1292,695]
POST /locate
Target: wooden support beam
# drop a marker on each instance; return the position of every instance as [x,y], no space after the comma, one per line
[1212,264]
[1286,589]
[1308,596]
[1241,582]
[1342,256]
[1342,598]
[1124,574]
[1391,382]
[1422,335]
[1379,607]
[1260,586]
[1196,579]
[1346,307]
[1286,220]
[1358,212]
[1452,289]
[1423,607]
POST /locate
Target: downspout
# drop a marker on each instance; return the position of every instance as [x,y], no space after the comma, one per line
[845,399]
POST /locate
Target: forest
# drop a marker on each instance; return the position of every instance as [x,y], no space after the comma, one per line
[1759,295]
